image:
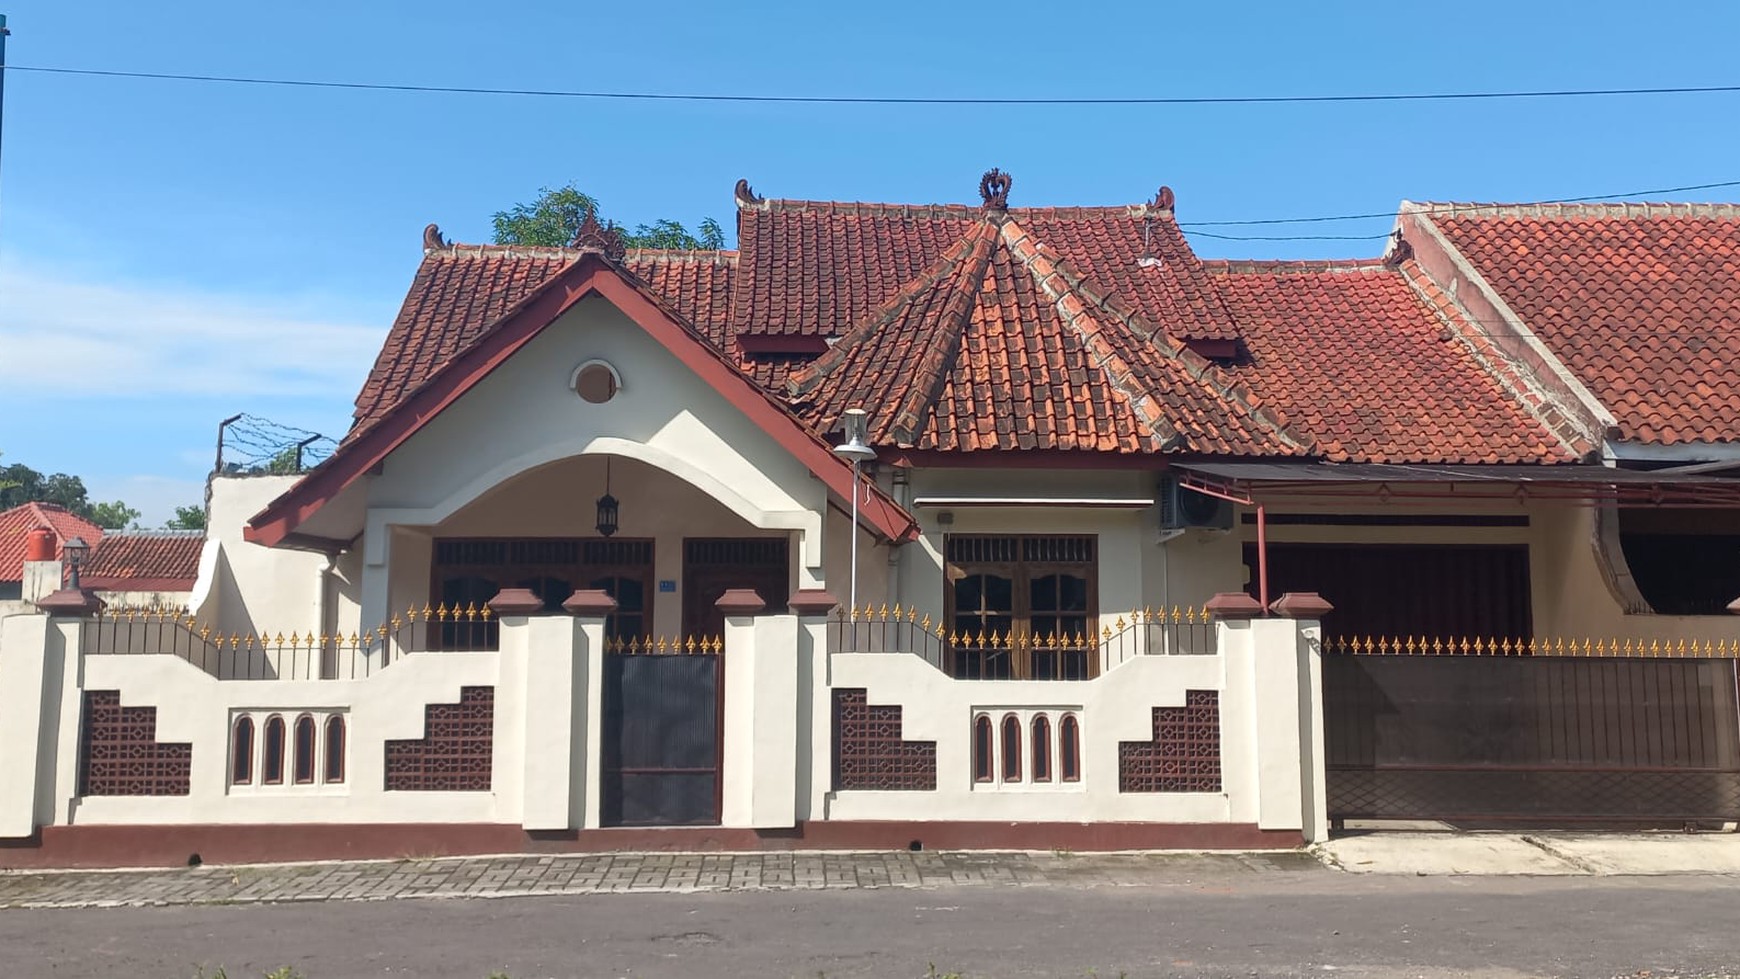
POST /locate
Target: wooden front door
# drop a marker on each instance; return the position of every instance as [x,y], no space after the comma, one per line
[713,566]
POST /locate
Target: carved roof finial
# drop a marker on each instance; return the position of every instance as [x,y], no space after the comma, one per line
[745,194]
[1398,250]
[432,240]
[595,237]
[1164,199]
[994,189]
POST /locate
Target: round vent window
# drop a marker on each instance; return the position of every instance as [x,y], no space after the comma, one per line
[597,382]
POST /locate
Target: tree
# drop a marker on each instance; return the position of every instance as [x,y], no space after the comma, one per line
[556,216]
[111,516]
[187,518]
[20,484]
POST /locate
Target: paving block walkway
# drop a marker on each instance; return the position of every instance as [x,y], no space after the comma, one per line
[678,873]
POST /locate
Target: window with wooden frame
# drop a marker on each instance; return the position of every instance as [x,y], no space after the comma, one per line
[242,752]
[982,750]
[334,749]
[1041,763]
[272,762]
[1069,748]
[1011,748]
[471,570]
[304,764]
[1022,607]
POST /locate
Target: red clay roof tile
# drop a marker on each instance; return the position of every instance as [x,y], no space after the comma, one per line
[167,559]
[1355,355]
[1001,345]
[1640,301]
[17,523]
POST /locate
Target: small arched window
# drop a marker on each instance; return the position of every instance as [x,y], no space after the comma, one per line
[1041,749]
[1069,748]
[242,752]
[1011,748]
[272,761]
[335,748]
[304,750]
[982,770]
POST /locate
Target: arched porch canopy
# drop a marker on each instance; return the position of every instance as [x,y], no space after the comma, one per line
[328,508]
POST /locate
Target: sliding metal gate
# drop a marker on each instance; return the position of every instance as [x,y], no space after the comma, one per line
[1530,738]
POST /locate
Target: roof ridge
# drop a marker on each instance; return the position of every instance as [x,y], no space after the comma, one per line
[957,211]
[718,256]
[1046,267]
[1264,266]
[1570,210]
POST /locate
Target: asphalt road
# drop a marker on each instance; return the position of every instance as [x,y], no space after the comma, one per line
[1318,924]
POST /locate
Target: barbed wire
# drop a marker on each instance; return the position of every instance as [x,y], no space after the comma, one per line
[252,445]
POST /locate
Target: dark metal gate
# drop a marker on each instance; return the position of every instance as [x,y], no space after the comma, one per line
[661,735]
[1530,738]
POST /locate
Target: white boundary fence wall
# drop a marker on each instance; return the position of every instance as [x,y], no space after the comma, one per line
[778,751]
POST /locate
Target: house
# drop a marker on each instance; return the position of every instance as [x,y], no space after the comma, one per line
[590,558]
[125,567]
[16,525]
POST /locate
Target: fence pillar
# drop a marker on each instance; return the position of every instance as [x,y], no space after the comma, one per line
[1306,610]
[815,702]
[590,607]
[760,749]
[38,719]
[535,709]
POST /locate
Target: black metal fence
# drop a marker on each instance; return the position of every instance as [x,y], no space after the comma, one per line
[1018,655]
[298,655]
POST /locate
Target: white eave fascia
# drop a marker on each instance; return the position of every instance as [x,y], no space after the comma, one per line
[1086,502]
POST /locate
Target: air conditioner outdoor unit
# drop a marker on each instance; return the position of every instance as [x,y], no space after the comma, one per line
[1182,508]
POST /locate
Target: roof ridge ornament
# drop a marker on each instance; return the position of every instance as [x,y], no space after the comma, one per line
[1164,199]
[595,237]
[745,194]
[432,240]
[994,190]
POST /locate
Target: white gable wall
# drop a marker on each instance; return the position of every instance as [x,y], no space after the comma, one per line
[525,415]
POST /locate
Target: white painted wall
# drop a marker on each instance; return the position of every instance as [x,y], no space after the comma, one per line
[1117,706]
[193,706]
[253,587]
[524,415]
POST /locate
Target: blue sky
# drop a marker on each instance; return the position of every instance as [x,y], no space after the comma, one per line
[172,253]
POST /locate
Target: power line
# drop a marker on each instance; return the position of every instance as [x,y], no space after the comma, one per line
[1460,208]
[883,99]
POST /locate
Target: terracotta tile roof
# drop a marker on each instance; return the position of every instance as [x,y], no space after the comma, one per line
[696,284]
[153,560]
[1640,301]
[17,523]
[999,344]
[819,267]
[1355,355]
[460,290]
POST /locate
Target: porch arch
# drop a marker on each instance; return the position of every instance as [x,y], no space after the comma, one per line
[808,523]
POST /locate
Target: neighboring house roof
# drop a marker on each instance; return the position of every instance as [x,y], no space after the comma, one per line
[1640,301]
[145,560]
[1352,353]
[17,523]
[1000,344]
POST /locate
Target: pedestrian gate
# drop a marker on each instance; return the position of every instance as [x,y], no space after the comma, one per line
[661,734]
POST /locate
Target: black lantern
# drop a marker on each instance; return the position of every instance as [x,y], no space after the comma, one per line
[74,551]
[607,505]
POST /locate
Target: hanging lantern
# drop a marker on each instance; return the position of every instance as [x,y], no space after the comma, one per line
[607,506]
